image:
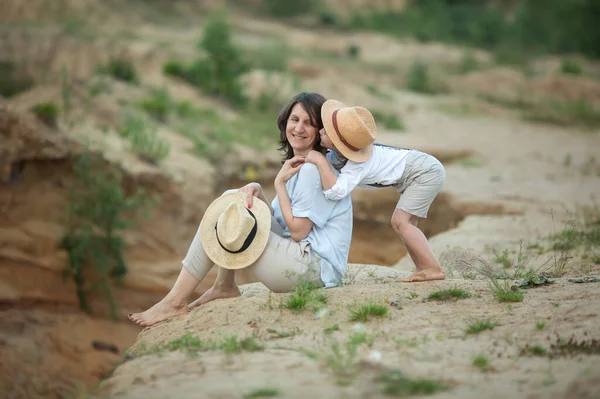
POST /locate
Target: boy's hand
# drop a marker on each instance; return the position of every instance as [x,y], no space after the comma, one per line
[315,157]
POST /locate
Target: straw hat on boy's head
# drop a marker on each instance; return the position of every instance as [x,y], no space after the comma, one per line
[351,129]
[232,235]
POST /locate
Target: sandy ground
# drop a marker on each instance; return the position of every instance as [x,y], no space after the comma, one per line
[421,338]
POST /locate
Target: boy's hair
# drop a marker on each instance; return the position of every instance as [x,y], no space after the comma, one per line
[312,103]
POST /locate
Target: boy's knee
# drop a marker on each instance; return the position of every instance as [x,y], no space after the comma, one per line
[402,221]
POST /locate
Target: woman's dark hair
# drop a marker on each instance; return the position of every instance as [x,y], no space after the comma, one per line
[312,103]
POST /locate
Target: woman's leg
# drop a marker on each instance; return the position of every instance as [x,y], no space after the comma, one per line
[224,287]
[427,267]
[286,263]
[195,267]
[174,304]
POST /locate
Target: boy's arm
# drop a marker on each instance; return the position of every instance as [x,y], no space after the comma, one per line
[328,177]
[336,187]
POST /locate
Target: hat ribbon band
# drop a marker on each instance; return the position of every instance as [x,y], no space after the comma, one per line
[337,131]
[249,239]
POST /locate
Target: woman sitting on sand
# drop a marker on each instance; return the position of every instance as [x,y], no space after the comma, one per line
[302,237]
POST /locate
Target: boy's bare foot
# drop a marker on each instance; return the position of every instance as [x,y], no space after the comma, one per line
[157,313]
[216,293]
[426,275]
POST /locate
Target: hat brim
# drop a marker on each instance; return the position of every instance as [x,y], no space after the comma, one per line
[208,233]
[327,110]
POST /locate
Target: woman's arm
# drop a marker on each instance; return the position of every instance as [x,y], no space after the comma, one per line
[328,178]
[299,227]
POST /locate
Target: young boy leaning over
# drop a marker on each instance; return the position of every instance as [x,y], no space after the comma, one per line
[349,133]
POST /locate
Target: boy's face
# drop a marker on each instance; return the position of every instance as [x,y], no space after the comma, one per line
[325,140]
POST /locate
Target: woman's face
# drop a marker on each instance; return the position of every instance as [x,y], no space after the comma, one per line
[300,131]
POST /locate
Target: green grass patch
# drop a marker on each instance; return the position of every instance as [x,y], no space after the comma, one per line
[390,121]
[478,326]
[46,112]
[331,329]
[262,393]
[569,66]
[396,383]
[190,343]
[482,362]
[418,79]
[363,311]
[448,295]
[121,69]
[536,350]
[144,138]
[306,295]
[13,79]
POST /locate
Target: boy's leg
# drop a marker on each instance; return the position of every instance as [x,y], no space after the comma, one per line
[427,267]
[424,179]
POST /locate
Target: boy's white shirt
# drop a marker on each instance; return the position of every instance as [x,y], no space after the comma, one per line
[386,167]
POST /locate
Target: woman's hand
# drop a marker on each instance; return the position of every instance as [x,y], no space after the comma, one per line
[289,169]
[251,190]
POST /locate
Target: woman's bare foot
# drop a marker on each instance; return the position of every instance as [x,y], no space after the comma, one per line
[426,275]
[216,293]
[157,313]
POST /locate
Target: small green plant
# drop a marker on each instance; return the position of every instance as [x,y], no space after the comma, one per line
[396,383]
[503,259]
[120,69]
[449,294]
[262,393]
[418,79]
[536,350]
[290,10]
[353,51]
[362,311]
[306,295]
[98,213]
[158,105]
[13,79]
[540,325]
[331,329]
[296,302]
[390,121]
[219,71]
[341,359]
[468,63]
[506,292]
[144,139]
[482,362]
[478,326]
[46,112]
[232,344]
[569,66]
[413,295]
[187,342]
